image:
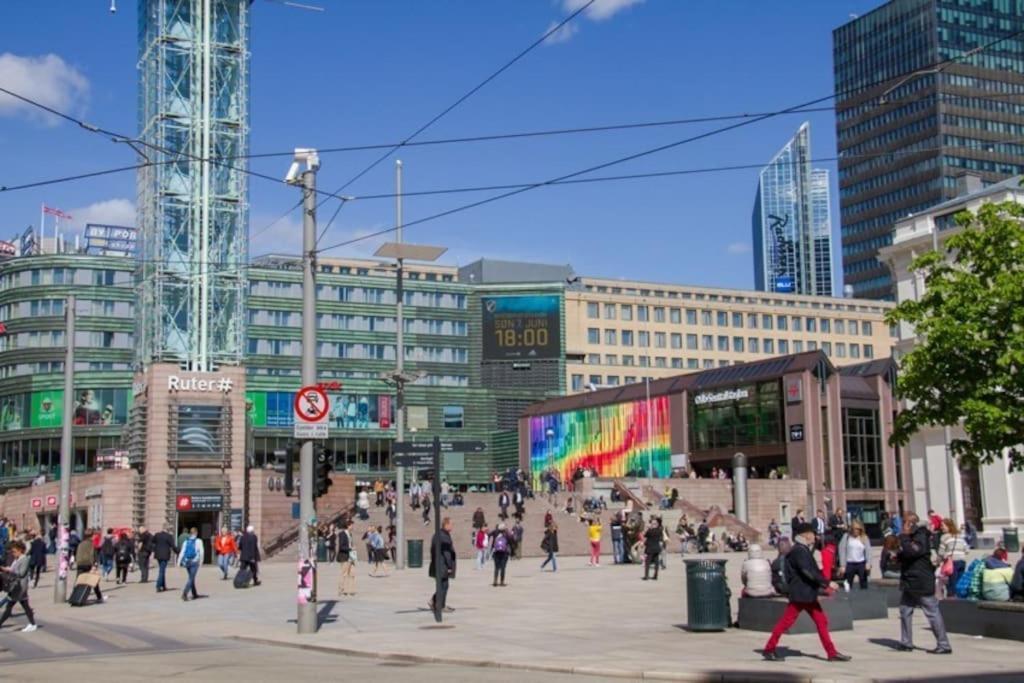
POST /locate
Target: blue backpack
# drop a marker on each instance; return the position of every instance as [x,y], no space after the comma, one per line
[964,585]
[190,552]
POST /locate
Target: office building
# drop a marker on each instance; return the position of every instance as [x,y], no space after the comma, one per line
[792,229]
[990,496]
[906,130]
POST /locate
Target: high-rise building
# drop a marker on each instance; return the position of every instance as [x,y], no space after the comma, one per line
[907,129]
[791,223]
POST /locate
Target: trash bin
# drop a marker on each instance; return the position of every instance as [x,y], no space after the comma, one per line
[707,595]
[1010,539]
[414,553]
[321,550]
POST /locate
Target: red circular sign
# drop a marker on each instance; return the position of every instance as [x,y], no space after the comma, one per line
[311,404]
[184,503]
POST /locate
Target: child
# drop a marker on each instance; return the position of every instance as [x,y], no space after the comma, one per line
[18,593]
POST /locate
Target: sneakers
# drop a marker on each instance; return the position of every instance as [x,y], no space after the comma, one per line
[771,656]
[29,629]
[904,648]
[941,651]
[839,657]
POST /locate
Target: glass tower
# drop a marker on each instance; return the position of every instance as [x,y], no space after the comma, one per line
[907,132]
[792,225]
[193,212]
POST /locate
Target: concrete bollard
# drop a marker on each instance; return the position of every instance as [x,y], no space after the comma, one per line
[739,489]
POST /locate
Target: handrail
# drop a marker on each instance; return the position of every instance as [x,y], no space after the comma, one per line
[290,535]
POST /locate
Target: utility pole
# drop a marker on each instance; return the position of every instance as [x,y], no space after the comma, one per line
[307,617]
[60,585]
[399,379]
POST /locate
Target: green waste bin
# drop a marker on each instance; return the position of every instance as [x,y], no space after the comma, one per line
[1011,539]
[707,595]
[321,550]
[414,554]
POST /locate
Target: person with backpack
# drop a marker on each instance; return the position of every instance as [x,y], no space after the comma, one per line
[107,554]
[191,558]
[144,550]
[124,554]
[917,583]
[500,545]
[85,561]
[550,546]
[17,591]
[249,553]
[780,574]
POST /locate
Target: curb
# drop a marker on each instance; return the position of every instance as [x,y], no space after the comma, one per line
[687,677]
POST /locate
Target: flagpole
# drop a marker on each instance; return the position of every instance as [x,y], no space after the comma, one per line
[42,226]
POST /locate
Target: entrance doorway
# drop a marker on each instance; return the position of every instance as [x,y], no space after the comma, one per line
[207,525]
[970,481]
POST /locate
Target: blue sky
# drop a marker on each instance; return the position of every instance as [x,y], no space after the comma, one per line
[373,72]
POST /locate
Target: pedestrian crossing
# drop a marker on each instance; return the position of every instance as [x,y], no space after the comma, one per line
[78,638]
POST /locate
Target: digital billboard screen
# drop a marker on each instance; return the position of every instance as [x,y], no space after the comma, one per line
[521,327]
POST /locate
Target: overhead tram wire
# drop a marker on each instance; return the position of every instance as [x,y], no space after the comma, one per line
[475,89]
[662,148]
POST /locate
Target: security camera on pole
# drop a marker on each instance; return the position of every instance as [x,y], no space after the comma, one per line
[306,617]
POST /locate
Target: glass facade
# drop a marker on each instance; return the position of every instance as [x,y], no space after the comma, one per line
[753,418]
[903,148]
[862,449]
[792,228]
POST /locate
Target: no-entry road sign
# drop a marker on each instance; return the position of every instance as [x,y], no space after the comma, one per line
[311,405]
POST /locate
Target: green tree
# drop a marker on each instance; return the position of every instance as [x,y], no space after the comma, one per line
[968,363]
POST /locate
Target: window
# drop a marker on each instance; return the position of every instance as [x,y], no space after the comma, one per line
[629,379]
[645,361]
[677,340]
[613,380]
[869,351]
[593,335]
[691,363]
[644,340]
[723,319]
[723,343]
[659,314]
[611,359]
[691,316]
[769,345]
[752,320]
[827,348]
[708,363]
[812,346]
[752,344]
[659,340]
[766,321]
[853,327]
[797,323]
[866,328]
[675,316]
[798,346]
[643,314]
[609,311]
[783,322]
[626,312]
[577,382]
[854,350]
[737,344]
[737,320]
[812,324]
[862,449]
[841,350]
[707,342]
[453,417]
[592,311]
[660,362]
[628,360]
[705,317]
[840,327]
[627,337]
[783,347]
[691,342]
[609,337]
[595,380]
[593,359]
[677,363]
[826,325]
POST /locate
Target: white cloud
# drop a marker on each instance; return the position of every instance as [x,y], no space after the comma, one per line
[561,35]
[283,237]
[738,248]
[601,9]
[48,80]
[108,212]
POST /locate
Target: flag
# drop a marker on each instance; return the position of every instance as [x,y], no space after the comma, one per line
[55,212]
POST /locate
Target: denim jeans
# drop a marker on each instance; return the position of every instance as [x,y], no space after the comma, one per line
[552,558]
[161,575]
[190,585]
[618,550]
[224,562]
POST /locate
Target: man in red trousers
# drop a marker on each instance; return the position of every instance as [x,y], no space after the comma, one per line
[805,582]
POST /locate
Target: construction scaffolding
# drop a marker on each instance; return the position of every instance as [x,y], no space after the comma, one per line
[193,212]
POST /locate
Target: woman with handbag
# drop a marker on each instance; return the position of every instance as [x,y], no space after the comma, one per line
[18,591]
[347,559]
[855,555]
[952,556]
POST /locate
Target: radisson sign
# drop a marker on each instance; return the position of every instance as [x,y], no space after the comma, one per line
[720,396]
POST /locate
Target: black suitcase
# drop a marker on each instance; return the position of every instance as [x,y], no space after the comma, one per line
[243,577]
[80,595]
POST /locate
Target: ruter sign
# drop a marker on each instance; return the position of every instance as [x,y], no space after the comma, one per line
[312,408]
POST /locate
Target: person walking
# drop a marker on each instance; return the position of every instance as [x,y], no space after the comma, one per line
[652,548]
[550,546]
[191,558]
[107,554]
[379,552]
[500,547]
[85,562]
[163,547]
[124,555]
[517,540]
[617,542]
[805,581]
[917,583]
[442,563]
[347,558]
[36,557]
[249,553]
[953,555]
[503,502]
[480,541]
[144,541]
[225,548]
[594,535]
[18,593]
[855,555]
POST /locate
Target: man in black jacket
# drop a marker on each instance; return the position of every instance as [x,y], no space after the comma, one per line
[805,582]
[445,564]
[37,558]
[917,582]
[249,553]
[163,547]
[144,541]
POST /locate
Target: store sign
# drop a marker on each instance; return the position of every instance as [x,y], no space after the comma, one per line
[794,390]
[37,503]
[796,432]
[199,502]
[384,411]
[720,396]
[221,384]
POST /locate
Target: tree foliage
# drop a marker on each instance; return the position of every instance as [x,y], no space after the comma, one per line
[967,365]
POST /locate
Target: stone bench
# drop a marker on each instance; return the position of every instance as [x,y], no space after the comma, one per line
[868,604]
[891,588]
[761,614]
[984,618]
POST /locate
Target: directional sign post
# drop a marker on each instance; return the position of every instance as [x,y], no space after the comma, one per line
[311,409]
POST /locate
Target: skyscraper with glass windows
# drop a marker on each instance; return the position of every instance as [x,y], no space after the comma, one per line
[910,124]
[791,222]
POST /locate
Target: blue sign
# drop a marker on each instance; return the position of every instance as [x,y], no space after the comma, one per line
[784,284]
[295,511]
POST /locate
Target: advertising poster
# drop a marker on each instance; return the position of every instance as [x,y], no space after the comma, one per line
[256,408]
[47,408]
[12,412]
[100,406]
[521,327]
[360,411]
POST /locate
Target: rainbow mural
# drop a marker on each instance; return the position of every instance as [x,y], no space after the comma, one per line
[613,440]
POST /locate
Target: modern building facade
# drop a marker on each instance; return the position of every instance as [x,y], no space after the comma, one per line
[620,332]
[792,229]
[798,415]
[990,496]
[906,130]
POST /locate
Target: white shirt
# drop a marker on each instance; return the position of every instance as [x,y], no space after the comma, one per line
[855,550]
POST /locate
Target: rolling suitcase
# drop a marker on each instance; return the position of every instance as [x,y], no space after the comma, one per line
[79,595]
[243,577]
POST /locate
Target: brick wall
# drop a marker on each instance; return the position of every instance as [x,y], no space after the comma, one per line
[271,511]
[101,497]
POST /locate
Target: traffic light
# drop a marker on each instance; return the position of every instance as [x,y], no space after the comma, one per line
[291,454]
[322,472]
